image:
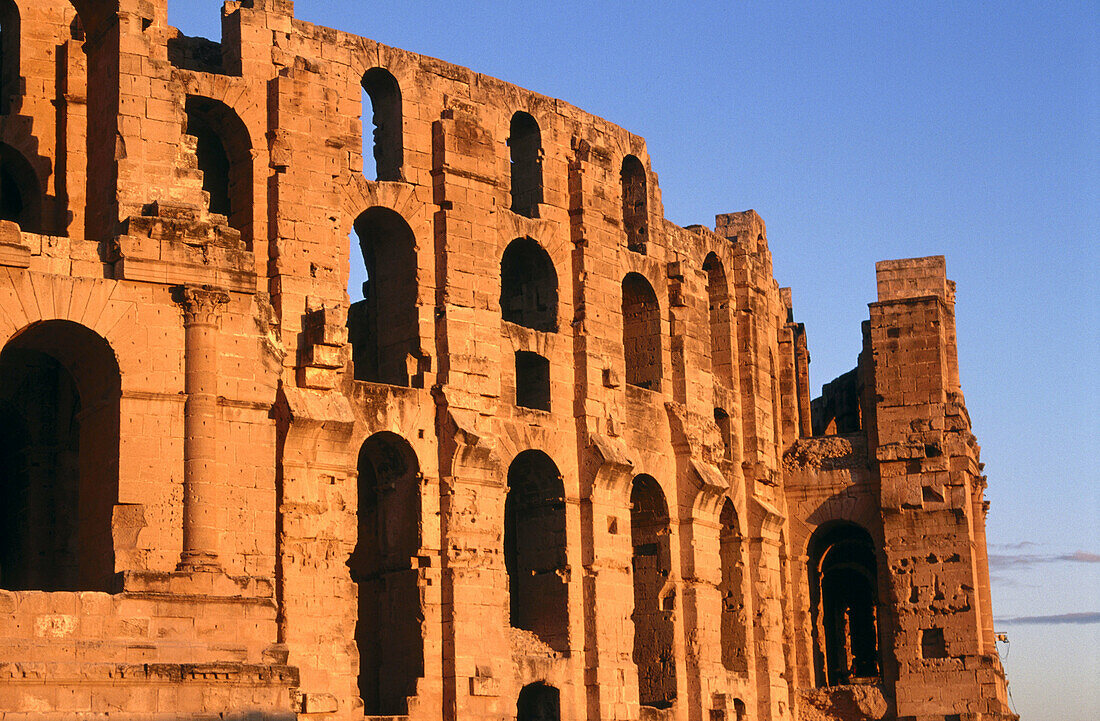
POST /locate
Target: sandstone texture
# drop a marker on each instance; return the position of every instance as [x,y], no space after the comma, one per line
[560,463]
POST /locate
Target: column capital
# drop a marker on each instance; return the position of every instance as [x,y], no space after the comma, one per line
[202,304]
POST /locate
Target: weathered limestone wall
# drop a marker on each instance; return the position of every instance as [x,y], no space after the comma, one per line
[557,464]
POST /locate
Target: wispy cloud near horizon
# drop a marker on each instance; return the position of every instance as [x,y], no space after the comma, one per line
[1006,561]
[1077,619]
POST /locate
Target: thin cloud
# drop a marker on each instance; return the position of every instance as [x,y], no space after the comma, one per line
[1014,546]
[1026,560]
[1076,619]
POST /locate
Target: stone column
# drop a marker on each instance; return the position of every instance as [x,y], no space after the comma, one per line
[202,307]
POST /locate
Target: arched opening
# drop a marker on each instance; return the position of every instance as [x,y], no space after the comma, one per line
[735,640]
[382,93]
[844,601]
[528,286]
[534,548]
[388,629]
[11,85]
[525,144]
[654,597]
[721,336]
[20,191]
[538,702]
[224,151]
[384,327]
[641,333]
[59,430]
[635,204]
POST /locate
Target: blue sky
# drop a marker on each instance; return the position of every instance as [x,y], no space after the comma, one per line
[862,131]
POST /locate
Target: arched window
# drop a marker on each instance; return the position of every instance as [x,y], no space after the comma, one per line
[381,91]
[635,204]
[525,143]
[534,548]
[734,616]
[59,430]
[10,82]
[721,336]
[388,630]
[528,286]
[383,328]
[224,151]
[654,598]
[844,601]
[538,702]
[641,333]
[20,191]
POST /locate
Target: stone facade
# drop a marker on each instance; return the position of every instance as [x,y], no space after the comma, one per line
[561,462]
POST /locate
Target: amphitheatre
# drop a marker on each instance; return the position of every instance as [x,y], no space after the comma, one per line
[561,462]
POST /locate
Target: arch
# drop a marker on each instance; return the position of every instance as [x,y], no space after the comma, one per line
[654,601]
[734,625]
[525,145]
[91,14]
[20,191]
[11,84]
[529,286]
[844,603]
[538,702]
[224,151]
[721,337]
[383,92]
[384,327]
[641,333]
[388,629]
[635,203]
[60,388]
[534,548]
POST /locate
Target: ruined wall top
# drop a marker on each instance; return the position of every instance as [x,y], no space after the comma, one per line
[913,278]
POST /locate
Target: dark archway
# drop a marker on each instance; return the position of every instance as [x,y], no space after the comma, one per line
[224,150]
[525,144]
[383,94]
[641,333]
[59,445]
[538,702]
[635,204]
[721,335]
[735,641]
[654,600]
[383,328]
[845,606]
[388,632]
[20,191]
[11,85]
[534,548]
[528,286]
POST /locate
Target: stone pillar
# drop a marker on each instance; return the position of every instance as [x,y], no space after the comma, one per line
[202,307]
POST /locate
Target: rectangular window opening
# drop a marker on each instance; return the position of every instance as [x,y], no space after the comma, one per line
[532,381]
